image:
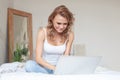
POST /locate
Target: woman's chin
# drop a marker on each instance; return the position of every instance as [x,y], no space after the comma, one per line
[60,32]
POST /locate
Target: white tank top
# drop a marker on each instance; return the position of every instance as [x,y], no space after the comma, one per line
[51,53]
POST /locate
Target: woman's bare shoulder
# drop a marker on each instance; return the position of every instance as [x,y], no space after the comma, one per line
[41,32]
[71,35]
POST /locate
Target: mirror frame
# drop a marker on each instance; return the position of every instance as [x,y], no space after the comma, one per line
[12,12]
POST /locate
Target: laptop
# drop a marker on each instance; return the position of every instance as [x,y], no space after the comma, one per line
[77,65]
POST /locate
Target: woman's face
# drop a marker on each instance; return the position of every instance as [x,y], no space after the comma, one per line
[60,23]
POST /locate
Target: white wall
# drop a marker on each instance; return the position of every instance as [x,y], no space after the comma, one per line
[96,26]
[3,30]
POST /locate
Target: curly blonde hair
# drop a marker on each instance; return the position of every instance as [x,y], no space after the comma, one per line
[64,12]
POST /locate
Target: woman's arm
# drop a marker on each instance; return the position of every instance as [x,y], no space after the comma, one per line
[69,43]
[39,49]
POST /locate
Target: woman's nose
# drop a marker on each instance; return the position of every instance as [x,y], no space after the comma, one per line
[61,26]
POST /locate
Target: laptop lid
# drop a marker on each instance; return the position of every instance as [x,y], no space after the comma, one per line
[77,64]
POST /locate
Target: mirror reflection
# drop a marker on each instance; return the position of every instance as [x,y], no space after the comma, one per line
[20,30]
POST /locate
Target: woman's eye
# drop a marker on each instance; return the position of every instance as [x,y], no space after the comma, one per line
[65,23]
[62,23]
[58,23]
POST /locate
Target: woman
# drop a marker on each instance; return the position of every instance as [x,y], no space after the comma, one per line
[53,41]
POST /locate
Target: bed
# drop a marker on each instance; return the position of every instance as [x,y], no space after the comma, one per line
[16,71]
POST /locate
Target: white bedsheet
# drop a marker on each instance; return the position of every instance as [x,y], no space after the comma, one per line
[16,71]
[40,76]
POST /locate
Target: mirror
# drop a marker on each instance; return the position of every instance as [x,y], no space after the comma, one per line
[19,32]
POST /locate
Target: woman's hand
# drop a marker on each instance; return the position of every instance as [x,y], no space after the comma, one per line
[53,68]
